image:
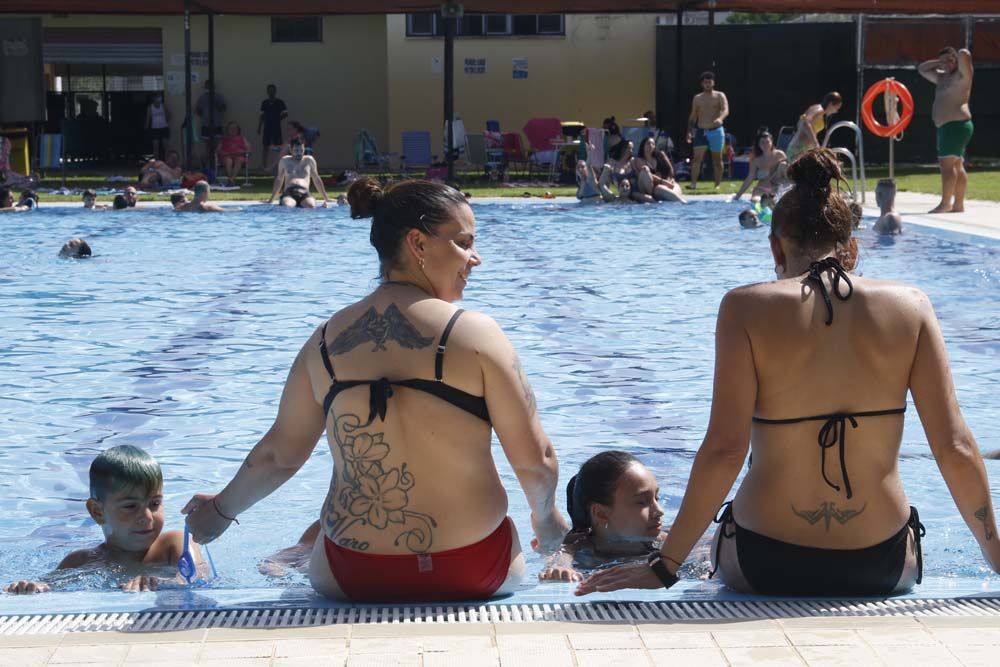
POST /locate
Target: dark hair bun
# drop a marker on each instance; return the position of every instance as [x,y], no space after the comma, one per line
[364,196]
[814,171]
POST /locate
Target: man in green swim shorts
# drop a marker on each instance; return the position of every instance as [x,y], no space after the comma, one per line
[951,73]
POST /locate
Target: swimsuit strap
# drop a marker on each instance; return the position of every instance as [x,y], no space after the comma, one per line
[725,520]
[918,532]
[834,432]
[816,270]
[325,353]
[439,357]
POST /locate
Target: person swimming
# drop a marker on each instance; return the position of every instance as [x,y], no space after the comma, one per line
[889,222]
[75,249]
[613,503]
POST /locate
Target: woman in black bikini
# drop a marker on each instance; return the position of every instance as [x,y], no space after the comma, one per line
[813,370]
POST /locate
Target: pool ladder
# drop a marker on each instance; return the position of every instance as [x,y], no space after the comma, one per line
[850,156]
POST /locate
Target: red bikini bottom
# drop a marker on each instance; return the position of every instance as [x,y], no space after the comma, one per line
[474,572]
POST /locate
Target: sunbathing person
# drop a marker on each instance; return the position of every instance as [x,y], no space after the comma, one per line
[200,203]
[408,389]
[825,357]
[295,172]
[166,173]
[655,173]
[613,503]
[126,501]
[889,222]
[767,165]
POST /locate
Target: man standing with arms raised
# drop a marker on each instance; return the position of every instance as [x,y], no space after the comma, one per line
[708,110]
[951,73]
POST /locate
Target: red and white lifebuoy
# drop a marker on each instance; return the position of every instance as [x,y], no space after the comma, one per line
[879,88]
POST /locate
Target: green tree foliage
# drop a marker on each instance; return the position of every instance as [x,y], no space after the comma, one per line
[760,17]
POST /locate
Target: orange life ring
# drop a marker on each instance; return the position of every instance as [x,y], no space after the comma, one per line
[879,88]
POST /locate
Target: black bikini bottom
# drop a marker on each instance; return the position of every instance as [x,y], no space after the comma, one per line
[773,567]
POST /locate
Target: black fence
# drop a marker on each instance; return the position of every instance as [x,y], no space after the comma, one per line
[772,73]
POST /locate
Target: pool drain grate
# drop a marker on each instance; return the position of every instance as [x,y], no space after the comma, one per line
[611,612]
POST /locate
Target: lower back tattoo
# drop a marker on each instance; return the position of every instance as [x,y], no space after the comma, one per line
[826,512]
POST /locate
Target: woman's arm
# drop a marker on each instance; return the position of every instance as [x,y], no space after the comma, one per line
[950,440]
[514,414]
[273,461]
[720,457]
[751,170]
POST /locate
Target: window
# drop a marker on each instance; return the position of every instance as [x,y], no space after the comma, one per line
[299,29]
[488,25]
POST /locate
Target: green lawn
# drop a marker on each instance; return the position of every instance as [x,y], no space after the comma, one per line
[983,184]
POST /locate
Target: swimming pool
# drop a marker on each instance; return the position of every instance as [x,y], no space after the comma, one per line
[178,334]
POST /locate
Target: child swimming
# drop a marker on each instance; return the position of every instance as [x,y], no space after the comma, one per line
[126,501]
[613,502]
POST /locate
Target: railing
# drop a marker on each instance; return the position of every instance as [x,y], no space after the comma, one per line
[850,156]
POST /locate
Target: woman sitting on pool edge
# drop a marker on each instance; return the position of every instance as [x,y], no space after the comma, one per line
[767,165]
[825,357]
[416,509]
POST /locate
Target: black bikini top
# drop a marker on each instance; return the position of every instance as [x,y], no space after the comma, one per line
[380,391]
[834,428]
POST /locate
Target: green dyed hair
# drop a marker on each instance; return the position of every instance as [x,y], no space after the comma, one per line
[123,467]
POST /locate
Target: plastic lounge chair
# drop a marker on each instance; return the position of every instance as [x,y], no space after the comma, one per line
[785,135]
[367,154]
[542,134]
[480,157]
[513,150]
[416,150]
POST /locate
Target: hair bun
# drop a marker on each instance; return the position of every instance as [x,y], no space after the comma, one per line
[364,196]
[815,169]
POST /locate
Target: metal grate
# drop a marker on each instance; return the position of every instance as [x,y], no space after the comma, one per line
[629,612]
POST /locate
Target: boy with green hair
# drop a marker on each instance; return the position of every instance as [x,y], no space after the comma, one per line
[126,501]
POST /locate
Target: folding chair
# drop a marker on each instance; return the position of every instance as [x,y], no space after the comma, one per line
[480,157]
[543,135]
[416,150]
[513,150]
[785,135]
[367,154]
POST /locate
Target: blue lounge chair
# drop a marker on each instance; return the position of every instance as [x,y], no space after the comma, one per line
[416,150]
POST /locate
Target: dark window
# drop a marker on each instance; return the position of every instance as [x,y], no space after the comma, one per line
[496,24]
[299,29]
[471,25]
[524,24]
[550,24]
[420,24]
[492,25]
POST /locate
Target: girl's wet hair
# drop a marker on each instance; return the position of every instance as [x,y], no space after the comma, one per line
[411,204]
[832,97]
[124,467]
[814,215]
[595,483]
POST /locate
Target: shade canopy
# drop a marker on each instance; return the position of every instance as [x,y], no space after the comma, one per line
[314,7]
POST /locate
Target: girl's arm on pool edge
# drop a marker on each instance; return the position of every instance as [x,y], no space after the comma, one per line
[949,437]
[720,457]
[274,459]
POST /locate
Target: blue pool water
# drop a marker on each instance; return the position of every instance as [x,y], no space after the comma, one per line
[177,336]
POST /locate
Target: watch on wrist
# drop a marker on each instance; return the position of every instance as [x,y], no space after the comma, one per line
[659,568]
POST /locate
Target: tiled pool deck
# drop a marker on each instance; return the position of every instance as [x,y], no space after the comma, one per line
[852,641]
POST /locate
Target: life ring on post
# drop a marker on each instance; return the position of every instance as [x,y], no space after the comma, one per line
[879,88]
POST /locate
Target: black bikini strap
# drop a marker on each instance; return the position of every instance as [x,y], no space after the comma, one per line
[379,393]
[725,520]
[816,270]
[834,432]
[918,532]
[324,353]
[439,358]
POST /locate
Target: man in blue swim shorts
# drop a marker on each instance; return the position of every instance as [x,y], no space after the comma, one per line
[951,74]
[708,111]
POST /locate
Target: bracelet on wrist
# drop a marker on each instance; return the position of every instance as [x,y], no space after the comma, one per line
[219,512]
[659,568]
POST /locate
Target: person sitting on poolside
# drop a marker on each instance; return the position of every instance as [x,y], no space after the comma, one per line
[200,203]
[822,351]
[295,172]
[889,221]
[119,203]
[588,190]
[655,173]
[165,173]
[75,249]
[126,501]
[618,171]
[767,165]
[408,389]
[613,503]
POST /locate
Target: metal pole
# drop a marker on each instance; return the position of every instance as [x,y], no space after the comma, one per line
[681,120]
[210,159]
[449,93]
[188,128]
[859,64]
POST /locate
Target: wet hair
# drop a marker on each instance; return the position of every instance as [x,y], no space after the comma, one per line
[177,198]
[119,202]
[121,468]
[812,214]
[89,193]
[75,248]
[887,185]
[707,74]
[832,97]
[748,220]
[595,483]
[761,133]
[406,205]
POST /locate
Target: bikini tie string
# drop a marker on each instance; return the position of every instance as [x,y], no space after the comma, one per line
[816,270]
[378,399]
[834,432]
[726,521]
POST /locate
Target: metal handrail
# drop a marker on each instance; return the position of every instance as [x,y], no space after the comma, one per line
[844,151]
[854,171]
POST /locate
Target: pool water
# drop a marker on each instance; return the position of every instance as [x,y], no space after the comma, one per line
[177,336]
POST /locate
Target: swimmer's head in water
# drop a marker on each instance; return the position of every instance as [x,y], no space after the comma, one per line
[125,482]
[885,192]
[120,203]
[749,219]
[131,196]
[813,216]
[421,229]
[832,102]
[201,190]
[177,199]
[707,81]
[89,198]
[615,496]
[75,249]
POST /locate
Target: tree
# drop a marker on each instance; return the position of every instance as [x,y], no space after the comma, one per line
[760,17]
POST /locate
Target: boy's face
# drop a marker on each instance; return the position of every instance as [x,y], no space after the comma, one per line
[130,519]
[88,202]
